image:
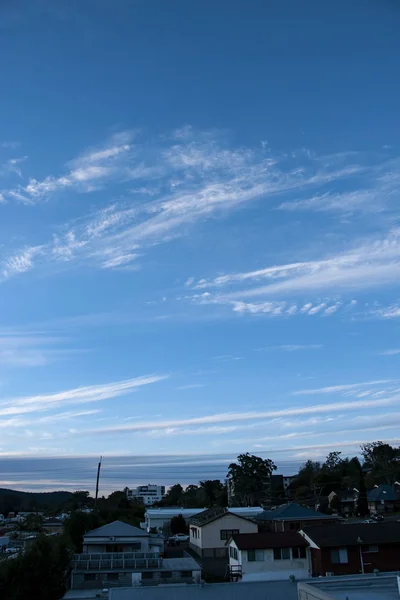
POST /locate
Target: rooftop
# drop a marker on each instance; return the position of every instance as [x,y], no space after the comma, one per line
[353,587]
[117,529]
[350,533]
[382,492]
[273,539]
[274,590]
[212,514]
[292,511]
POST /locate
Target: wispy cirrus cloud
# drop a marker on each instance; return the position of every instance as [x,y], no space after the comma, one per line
[76,396]
[334,389]
[392,352]
[84,173]
[191,178]
[219,418]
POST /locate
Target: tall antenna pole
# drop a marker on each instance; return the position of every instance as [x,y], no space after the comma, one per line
[97,480]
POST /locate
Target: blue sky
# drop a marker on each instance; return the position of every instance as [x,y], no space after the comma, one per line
[199,227]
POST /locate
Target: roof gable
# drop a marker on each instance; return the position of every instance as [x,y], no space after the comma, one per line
[213,514]
[117,529]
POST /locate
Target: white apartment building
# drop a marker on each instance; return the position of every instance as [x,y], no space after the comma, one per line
[146,494]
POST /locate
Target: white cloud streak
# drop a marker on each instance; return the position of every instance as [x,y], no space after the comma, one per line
[247,416]
[198,177]
[82,395]
[333,389]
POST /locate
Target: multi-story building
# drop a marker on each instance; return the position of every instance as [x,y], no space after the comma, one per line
[146,494]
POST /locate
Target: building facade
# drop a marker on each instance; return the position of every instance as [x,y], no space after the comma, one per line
[353,548]
[268,557]
[146,494]
[211,529]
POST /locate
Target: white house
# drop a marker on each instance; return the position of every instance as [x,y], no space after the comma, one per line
[271,556]
[211,529]
[146,494]
[120,537]
[158,518]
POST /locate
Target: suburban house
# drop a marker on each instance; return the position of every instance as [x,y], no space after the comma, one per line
[382,498]
[343,501]
[131,569]
[212,528]
[291,517]
[119,554]
[353,548]
[271,556]
[120,537]
[160,518]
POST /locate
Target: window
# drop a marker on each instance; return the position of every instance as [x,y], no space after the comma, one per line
[299,552]
[370,549]
[166,574]
[226,534]
[112,576]
[147,575]
[255,555]
[89,577]
[281,553]
[339,556]
[233,553]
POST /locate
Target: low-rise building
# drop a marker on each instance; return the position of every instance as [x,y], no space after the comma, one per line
[381,499]
[353,548]
[269,556]
[292,517]
[120,537]
[343,501]
[160,518]
[212,528]
[146,494]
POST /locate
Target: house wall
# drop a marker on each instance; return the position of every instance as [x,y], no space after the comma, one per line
[124,579]
[273,570]
[128,544]
[209,543]
[386,559]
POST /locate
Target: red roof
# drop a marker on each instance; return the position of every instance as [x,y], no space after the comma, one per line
[272,539]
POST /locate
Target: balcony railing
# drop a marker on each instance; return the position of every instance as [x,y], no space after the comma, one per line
[116,560]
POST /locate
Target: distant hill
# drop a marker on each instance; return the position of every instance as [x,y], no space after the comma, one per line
[15,500]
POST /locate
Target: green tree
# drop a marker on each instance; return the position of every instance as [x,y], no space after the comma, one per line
[178,525]
[250,479]
[174,496]
[214,492]
[41,572]
[77,525]
[383,462]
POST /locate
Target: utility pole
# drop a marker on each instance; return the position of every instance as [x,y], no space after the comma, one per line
[97,481]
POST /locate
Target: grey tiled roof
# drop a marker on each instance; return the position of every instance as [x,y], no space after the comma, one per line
[326,536]
[383,492]
[117,529]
